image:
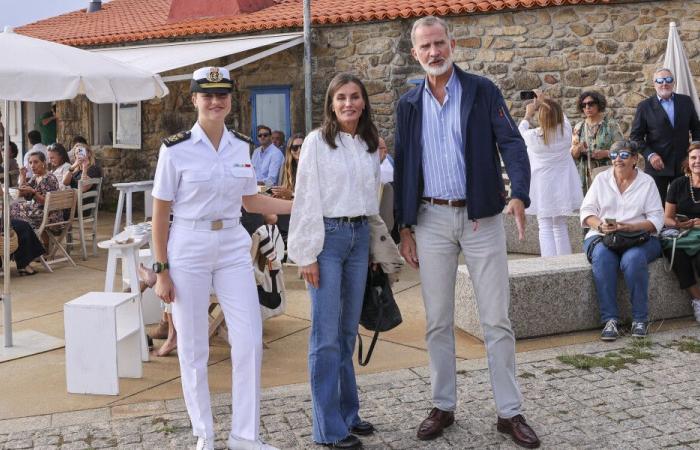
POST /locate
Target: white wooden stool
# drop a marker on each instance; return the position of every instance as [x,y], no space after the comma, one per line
[103,333]
[128,253]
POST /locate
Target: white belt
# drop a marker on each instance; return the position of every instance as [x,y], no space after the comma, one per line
[205,225]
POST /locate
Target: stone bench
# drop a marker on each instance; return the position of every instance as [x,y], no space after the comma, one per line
[531,244]
[557,295]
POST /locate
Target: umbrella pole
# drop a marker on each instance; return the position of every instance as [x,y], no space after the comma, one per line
[6,301]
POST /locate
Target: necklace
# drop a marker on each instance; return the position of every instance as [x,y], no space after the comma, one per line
[692,192]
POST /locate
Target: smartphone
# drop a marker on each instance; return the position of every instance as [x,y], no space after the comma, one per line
[527,95]
[610,221]
[682,218]
[81,152]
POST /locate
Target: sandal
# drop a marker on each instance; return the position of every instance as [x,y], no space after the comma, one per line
[25,273]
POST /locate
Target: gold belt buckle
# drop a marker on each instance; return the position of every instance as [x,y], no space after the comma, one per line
[217,225]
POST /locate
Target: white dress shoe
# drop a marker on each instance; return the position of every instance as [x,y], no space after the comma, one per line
[236,443]
[205,444]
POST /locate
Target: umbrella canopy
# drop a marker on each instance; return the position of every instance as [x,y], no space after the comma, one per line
[677,61]
[33,70]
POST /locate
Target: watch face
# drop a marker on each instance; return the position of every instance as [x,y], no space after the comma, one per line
[156,267]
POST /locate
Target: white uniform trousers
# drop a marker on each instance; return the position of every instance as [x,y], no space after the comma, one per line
[199,260]
[442,232]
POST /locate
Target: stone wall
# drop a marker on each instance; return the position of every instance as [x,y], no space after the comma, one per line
[563,50]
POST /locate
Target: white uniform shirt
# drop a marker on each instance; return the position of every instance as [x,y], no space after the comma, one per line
[202,183]
[340,182]
[639,202]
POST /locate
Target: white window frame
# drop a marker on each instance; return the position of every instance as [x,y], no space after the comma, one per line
[115,126]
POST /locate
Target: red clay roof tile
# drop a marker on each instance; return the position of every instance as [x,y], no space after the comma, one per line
[122,21]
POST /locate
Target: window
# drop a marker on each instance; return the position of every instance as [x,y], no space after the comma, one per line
[271,108]
[117,125]
[127,125]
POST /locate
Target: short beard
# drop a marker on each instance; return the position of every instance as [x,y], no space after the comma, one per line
[437,71]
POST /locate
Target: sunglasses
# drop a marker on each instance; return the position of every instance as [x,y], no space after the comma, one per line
[622,154]
[294,148]
[263,134]
[590,104]
[662,80]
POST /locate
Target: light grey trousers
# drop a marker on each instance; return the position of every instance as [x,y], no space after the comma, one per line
[441,233]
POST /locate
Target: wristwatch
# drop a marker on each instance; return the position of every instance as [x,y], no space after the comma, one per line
[159,267]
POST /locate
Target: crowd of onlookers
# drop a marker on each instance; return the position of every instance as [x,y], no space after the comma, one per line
[570,172]
[45,169]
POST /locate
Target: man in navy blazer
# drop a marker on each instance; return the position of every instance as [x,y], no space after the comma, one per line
[451,133]
[661,127]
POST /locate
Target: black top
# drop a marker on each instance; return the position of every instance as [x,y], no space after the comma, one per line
[679,195]
[92,172]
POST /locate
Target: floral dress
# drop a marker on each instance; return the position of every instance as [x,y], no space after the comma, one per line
[33,212]
[597,137]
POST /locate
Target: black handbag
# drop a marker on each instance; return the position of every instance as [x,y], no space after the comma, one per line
[619,241]
[379,310]
[270,299]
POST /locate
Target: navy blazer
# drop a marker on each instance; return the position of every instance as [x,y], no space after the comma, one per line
[488,130]
[653,131]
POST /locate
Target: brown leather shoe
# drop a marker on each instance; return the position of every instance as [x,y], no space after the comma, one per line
[433,425]
[519,430]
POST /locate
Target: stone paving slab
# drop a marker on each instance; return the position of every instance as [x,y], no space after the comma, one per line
[648,404]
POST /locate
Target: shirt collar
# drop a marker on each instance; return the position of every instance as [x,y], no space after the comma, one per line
[670,99]
[449,87]
[199,135]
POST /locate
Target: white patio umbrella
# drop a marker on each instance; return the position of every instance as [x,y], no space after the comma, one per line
[677,61]
[34,70]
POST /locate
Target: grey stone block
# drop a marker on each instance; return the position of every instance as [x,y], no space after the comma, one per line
[557,295]
[531,244]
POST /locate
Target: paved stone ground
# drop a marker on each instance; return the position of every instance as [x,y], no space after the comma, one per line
[651,403]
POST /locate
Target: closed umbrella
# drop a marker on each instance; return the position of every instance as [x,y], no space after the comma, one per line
[677,61]
[34,70]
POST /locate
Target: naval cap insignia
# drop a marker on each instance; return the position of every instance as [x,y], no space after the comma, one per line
[214,75]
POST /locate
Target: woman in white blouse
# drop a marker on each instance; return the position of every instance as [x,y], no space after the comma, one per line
[555,188]
[60,163]
[623,199]
[336,189]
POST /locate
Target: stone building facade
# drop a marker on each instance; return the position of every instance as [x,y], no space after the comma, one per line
[563,50]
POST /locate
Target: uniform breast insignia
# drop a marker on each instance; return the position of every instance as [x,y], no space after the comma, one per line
[242,137]
[176,138]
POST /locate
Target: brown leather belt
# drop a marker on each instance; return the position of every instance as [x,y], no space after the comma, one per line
[439,201]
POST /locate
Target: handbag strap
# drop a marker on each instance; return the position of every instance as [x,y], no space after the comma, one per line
[673,255]
[369,351]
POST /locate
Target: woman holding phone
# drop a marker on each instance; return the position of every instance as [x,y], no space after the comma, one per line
[84,166]
[682,210]
[623,199]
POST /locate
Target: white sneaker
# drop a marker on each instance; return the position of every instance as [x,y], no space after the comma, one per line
[236,443]
[696,309]
[205,444]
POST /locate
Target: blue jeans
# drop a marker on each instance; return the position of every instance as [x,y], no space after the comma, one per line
[335,314]
[634,264]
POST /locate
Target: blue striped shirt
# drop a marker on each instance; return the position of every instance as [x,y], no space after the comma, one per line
[444,170]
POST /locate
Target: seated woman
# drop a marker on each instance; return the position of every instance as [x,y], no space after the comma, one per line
[83,167]
[288,177]
[683,211]
[29,247]
[622,200]
[59,162]
[35,190]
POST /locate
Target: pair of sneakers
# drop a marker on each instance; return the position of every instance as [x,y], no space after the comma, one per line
[235,443]
[611,330]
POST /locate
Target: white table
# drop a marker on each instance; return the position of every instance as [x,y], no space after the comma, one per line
[125,190]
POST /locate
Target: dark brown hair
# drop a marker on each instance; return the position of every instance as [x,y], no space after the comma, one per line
[365,128]
[597,97]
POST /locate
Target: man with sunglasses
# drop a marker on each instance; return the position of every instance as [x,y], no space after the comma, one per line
[661,128]
[267,159]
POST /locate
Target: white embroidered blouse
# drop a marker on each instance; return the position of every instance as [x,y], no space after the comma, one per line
[340,182]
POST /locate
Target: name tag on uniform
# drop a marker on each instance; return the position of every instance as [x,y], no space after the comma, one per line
[242,165]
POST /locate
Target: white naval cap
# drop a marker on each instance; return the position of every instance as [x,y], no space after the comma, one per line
[212,80]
